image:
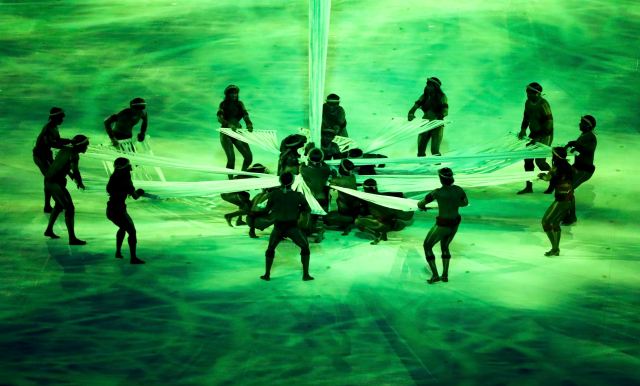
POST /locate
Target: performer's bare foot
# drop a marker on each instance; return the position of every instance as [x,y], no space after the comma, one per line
[50,234]
[552,252]
[444,278]
[265,277]
[135,260]
[434,279]
[77,241]
[228,218]
[119,255]
[307,277]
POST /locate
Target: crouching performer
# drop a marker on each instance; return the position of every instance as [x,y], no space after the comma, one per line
[450,197]
[286,206]
[119,187]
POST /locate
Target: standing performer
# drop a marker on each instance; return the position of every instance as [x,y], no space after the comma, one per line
[316,174]
[333,117]
[434,104]
[538,118]
[583,167]
[65,163]
[48,138]
[450,197]
[125,120]
[119,187]
[560,178]
[230,112]
[286,206]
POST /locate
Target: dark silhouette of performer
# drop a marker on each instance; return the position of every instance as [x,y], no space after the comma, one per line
[258,217]
[286,206]
[583,167]
[125,120]
[377,219]
[65,163]
[349,207]
[560,177]
[333,117]
[434,104]
[241,199]
[119,187]
[538,118]
[316,174]
[289,160]
[230,112]
[450,198]
[49,138]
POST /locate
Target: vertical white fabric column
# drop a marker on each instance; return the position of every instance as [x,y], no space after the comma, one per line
[319,16]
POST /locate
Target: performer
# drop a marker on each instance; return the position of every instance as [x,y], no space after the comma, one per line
[289,160]
[258,217]
[334,117]
[560,177]
[377,219]
[125,120]
[241,199]
[450,198]
[348,206]
[434,104]
[65,163]
[230,112]
[119,187]
[286,206]
[583,167]
[538,118]
[49,138]
[316,175]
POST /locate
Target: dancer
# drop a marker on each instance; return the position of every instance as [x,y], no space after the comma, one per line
[241,199]
[49,138]
[119,187]
[538,118]
[289,160]
[316,174]
[434,104]
[334,117]
[377,219]
[65,163]
[286,206]
[450,198]
[560,178]
[348,206]
[230,112]
[583,167]
[125,120]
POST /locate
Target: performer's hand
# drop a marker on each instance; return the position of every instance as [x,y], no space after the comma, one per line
[139,192]
[140,137]
[542,176]
[571,144]
[114,142]
[521,134]
[250,128]
[80,186]
[411,117]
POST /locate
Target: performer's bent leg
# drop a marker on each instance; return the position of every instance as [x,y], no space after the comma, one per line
[227,146]
[296,235]
[245,150]
[551,225]
[436,139]
[432,238]
[423,138]
[270,253]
